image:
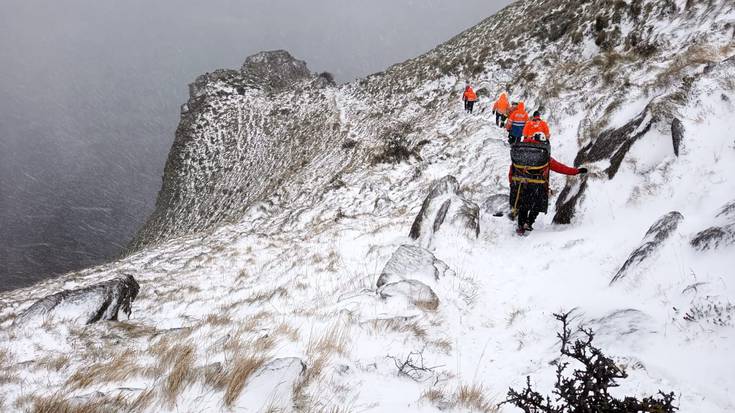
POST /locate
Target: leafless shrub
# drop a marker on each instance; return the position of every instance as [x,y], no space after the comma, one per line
[414,367]
[513,316]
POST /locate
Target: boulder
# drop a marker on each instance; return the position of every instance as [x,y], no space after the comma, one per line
[659,232]
[102,301]
[720,235]
[412,262]
[272,386]
[443,207]
[415,292]
[496,205]
[677,134]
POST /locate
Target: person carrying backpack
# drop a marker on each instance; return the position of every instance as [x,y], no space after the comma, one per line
[501,109]
[529,179]
[516,122]
[536,125]
[470,97]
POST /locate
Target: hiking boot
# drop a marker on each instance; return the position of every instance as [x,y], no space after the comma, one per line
[528,227]
[520,230]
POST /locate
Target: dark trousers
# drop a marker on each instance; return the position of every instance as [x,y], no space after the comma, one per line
[500,118]
[513,139]
[532,199]
[468,105]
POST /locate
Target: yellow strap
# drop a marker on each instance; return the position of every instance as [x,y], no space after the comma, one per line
[528,180]
[531,167]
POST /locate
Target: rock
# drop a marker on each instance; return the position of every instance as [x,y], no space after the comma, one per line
[416,292]
[659,232]
[100,301]
[276,69]
[445,206]
[496,205]
[411,262]
[677,134]
[718,235]
[272,386]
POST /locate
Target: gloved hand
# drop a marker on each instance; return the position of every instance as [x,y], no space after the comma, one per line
[582,170]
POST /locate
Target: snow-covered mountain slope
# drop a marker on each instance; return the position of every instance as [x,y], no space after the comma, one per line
[273,230]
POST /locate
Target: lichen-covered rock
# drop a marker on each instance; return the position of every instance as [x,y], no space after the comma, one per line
[410,262]
[443,207]
[415,292]
[102,301]
[659,232]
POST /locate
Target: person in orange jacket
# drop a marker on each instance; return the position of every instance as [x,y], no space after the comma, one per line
[470,97]
[529,186]
[501,109]
[516,122]
[534,126]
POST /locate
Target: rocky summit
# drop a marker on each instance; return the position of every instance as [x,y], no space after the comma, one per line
[320,247]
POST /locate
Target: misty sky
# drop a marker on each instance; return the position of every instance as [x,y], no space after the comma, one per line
[90,94]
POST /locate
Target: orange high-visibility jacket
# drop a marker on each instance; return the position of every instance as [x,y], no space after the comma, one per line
[470,94]
[517,120]
[502,105]
[535,126]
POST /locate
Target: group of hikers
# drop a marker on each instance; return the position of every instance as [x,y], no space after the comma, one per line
[530,155]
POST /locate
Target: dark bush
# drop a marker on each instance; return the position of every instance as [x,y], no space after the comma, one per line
[586,390]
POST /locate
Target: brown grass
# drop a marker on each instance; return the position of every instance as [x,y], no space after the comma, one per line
[181,372]
[58,404]
[119,368]
[435,396]
[54,363]
[473,397]
[396,325]
[133,329]
[216,319]
[243,366]
[285,329]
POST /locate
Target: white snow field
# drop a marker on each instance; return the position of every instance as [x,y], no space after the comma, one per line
[279,309]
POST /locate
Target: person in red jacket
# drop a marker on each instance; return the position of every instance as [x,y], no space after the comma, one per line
[529,188]
[536,125]
[470,97]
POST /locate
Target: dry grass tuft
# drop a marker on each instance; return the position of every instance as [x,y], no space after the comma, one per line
[119,368]
[334,340]
[54,363]
[435,396]
[215,319]
[473,397]
[396,325]
[182,360]
[133,329]
[243,366]
[58,404]
[285,329]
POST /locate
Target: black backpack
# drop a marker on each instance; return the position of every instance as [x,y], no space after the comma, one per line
[530,160]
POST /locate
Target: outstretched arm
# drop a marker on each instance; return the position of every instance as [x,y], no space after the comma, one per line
[559,167]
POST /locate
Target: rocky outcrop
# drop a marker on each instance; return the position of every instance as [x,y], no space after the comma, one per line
[718,236]
[496,205]
[272,385]
[101,301]
[276,70]
[410,262]
[415,292]
[243,136]
[659,232]
[444,207]
[677,134]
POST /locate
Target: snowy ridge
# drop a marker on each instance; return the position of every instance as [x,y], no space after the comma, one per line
[287,272]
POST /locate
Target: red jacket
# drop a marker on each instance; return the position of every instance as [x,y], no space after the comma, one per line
[554,165]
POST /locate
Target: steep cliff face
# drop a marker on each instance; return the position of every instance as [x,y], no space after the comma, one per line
[287,211]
